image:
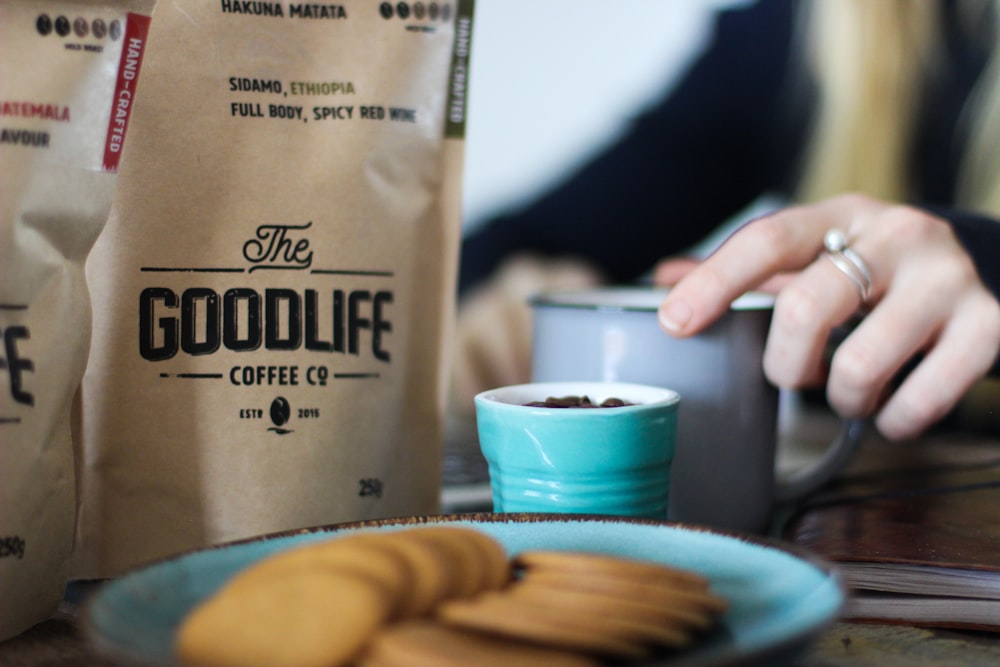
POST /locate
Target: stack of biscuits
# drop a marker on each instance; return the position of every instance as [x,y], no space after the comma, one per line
[441,595]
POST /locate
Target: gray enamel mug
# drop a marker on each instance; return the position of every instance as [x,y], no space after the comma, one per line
[724,464]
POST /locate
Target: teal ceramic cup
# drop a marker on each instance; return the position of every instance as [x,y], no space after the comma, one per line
[579,460]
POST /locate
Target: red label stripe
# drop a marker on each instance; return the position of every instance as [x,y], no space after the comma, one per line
[133,48]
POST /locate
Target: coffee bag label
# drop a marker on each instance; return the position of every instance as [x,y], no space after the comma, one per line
[68,70]
[273,293]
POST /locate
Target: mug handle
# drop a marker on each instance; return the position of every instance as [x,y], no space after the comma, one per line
[809,478]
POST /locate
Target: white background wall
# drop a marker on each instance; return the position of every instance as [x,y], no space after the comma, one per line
[554,80]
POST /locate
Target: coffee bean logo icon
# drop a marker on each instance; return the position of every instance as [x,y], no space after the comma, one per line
[281,412]
[43,24]
[62,26]
[385,9]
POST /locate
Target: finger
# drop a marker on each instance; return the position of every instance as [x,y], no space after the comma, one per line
[785,241]
[805,312]
[776,283]
[966,349]
[866,362]
[670,271]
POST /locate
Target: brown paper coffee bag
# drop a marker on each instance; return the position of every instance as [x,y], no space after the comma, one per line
[274,289]
[68,77]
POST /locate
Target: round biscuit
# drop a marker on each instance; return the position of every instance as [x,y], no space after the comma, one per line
[594,564]
[635,589]
[469,573]
[505,615]
[601,605]
[349,555]
[432,576]
[299,618]
[666,636]
[371,661]
[429,644]
[489,555]
[494,558]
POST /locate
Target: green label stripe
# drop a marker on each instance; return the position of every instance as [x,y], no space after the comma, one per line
[458,77]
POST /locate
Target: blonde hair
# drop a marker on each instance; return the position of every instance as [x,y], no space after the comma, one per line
[870,59]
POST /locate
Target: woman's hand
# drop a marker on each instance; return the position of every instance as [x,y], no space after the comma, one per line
[926,298]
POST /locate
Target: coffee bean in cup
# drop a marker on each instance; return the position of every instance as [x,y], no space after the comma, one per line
[576,402]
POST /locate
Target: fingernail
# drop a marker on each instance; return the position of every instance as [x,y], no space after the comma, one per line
[674,316]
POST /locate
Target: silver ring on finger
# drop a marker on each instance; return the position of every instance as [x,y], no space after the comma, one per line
[849,262]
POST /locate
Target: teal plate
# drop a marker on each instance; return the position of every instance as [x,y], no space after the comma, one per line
[781,598]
